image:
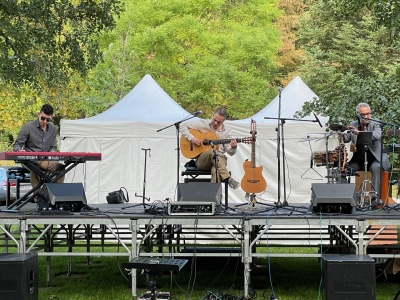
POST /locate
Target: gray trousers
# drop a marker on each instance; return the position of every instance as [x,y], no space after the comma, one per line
[206,161]
[47,165]
[375,169]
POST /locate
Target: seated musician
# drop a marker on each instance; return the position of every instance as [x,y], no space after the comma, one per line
[40,136]
[363,123]
[206,160]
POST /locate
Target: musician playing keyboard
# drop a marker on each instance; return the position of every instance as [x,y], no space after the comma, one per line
[40,136]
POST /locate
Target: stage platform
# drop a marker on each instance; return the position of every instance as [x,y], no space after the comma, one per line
[238,232]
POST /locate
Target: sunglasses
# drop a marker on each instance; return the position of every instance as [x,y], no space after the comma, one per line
[45,119]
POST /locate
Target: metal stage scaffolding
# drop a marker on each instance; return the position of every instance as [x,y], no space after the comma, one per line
[232,234]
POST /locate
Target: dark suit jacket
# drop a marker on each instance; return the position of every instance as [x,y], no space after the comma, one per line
[375,146]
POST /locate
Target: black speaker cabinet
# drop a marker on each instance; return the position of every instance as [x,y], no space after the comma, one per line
[348,277]
[333,198]
[200,192]
[19,276]
[63,196]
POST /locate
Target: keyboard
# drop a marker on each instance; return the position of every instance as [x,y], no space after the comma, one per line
[60,156]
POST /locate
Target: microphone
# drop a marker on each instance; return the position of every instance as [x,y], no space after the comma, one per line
[316,118]
[393,182]
[197,112]
[279,89]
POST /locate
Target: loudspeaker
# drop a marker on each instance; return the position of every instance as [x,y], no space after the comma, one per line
[63,196]
[200,192]
[19,276]
[333,198]
[348,276]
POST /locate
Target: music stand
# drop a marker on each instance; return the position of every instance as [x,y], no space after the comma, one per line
[364,138]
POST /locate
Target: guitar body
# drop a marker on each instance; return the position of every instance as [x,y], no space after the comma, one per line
[253,180]
[190,150]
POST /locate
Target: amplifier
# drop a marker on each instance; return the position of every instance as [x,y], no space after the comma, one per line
[19,276]
[348,276]
[192,208]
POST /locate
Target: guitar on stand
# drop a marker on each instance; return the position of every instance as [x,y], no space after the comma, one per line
[253,180]
[209,139]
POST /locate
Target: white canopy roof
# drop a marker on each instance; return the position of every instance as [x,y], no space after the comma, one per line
[293,97]
[147,104]
[145,119]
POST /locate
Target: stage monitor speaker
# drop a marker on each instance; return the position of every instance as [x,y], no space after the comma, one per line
[19,276]
[333,198]
[348,276]
[64,196]
[200,192]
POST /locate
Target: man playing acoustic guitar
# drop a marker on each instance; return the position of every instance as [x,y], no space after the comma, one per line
[206,160]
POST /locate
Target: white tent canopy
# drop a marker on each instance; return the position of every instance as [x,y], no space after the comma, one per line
[299,140]
[123,132]
[293,97]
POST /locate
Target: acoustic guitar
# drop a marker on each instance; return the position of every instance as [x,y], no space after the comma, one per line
[209,138]
[253,180]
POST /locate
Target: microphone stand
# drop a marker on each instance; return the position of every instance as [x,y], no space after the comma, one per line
[279,132]
[216,159]
[177,126]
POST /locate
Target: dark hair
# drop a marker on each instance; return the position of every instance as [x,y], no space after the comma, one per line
[222,112]
[47,109]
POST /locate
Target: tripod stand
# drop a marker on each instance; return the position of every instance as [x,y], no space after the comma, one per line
[365,139]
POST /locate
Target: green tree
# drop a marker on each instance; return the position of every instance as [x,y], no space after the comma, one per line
[42,41]
[348,60]
[204,53]
[386,13]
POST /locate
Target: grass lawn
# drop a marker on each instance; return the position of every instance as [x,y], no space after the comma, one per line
[103,278]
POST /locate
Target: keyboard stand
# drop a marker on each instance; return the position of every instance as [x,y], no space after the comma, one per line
[153,267]
[44,177]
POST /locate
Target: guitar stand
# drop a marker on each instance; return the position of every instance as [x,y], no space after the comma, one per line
[253,201]
[144,183]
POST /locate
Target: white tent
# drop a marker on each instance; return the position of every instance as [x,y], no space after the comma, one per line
[300,140]
[123,132]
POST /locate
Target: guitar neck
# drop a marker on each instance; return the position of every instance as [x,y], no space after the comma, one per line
[223,141]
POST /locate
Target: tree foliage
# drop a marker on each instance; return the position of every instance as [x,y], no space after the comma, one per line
[204,53]
[385,13]
[42,41]
[289,54]
[349,60]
